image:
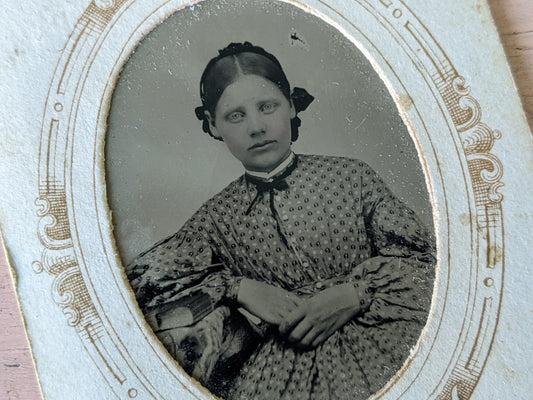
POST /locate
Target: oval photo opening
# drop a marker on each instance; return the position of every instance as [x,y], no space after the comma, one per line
[269,204]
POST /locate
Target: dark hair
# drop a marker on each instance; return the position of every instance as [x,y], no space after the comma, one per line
[239,59]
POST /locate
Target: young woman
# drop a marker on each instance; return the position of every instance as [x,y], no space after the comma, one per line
[305,278]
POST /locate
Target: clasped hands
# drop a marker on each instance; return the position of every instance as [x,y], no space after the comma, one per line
[305,321]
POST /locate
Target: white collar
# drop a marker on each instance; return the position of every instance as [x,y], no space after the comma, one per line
[269,175]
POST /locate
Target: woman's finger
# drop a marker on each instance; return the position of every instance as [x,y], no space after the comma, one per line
[291,320]
[320,338]
[300,331]
[310,337]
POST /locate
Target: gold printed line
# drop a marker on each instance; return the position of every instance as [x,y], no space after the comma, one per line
[473,360]
[440,65]
[78,45]
[494,250]
[94,339]
[52,148]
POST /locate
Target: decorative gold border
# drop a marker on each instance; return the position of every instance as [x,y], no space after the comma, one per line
[70,289]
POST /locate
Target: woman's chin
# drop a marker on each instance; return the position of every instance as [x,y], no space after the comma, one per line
[266,161]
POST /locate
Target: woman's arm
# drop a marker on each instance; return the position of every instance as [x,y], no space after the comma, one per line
[269,303]
[318,317]
[182,271]
[396,284]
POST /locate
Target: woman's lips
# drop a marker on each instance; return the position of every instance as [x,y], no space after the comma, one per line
[261,145]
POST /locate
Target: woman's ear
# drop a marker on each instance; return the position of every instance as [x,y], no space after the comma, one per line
[212,127]
[293,110]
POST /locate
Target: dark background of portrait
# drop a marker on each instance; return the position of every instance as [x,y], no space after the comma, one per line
[160,165]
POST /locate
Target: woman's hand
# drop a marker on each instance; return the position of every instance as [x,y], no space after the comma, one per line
[321,315]
[270,303]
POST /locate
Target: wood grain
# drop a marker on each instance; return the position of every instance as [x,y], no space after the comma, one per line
[17,374]
[514,20]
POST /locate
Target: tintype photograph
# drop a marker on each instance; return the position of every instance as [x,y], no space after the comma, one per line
[264,200]
[270,207]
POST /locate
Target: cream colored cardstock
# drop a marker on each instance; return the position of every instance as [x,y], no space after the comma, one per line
[443,67]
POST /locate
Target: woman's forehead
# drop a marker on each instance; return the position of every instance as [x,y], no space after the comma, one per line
[249,88]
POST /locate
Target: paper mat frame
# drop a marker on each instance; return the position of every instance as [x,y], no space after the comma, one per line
[444,120]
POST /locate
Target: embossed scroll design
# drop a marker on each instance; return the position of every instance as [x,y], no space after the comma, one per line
[485,171]
[58,259]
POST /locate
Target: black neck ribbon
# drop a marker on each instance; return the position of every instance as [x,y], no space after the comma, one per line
[277,182]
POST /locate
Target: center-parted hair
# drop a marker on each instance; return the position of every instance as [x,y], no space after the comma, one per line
[237,60]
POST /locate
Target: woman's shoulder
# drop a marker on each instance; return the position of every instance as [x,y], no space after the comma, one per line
[341,163]
[202,217]
[234,189]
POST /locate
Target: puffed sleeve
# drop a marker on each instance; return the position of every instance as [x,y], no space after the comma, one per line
[398,280]
[181,273]
[187,296]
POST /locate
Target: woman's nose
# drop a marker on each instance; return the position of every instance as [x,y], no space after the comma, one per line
[256,124]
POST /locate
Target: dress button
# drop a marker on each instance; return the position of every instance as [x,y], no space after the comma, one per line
[284,217]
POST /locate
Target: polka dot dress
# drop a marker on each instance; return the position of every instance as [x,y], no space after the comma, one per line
[334,221]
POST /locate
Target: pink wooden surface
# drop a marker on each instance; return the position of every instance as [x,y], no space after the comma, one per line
[514,19]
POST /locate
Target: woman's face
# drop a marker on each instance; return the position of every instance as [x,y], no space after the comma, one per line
[253,117]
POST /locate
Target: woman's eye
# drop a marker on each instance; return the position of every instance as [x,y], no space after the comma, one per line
[268,108]
[235,117]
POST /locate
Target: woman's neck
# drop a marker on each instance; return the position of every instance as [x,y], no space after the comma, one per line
[277,170]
